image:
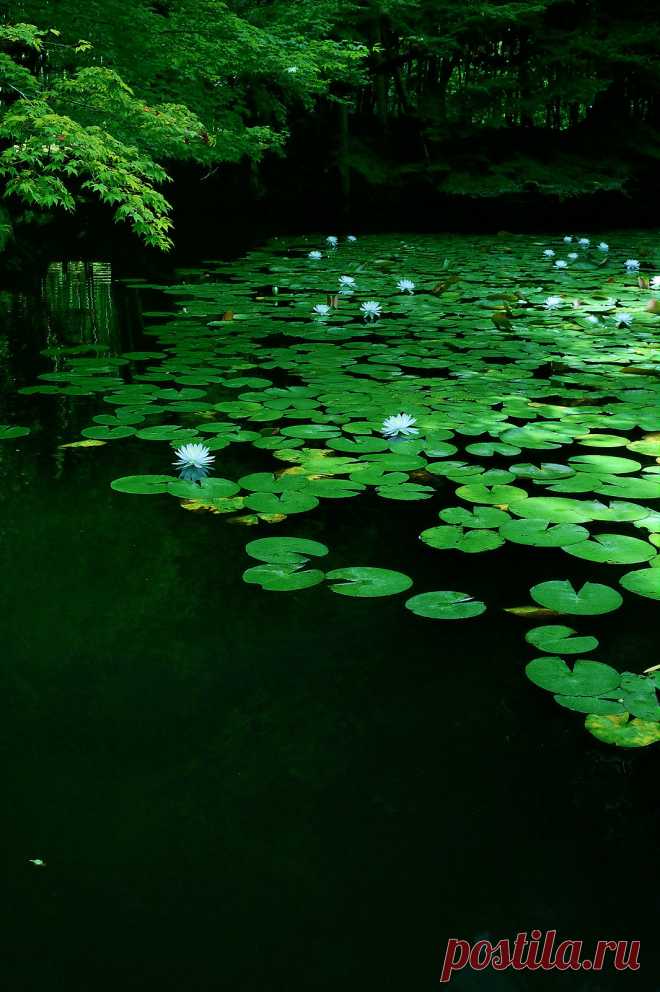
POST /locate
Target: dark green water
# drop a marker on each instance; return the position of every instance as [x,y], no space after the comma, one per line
[251,791]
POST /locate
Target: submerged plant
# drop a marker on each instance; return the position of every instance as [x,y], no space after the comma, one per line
[406,286]
[400,423]
[370,309]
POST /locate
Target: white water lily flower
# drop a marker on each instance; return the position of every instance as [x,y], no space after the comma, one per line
[572,255]
[561,264]
[553,302]
[624,319]
[603,246]
[401,423]
[195,456]
[592,319]
[332,241]
[584,242]
[346,282]
[549,253]
[370,309]
[405,285]
[631,265]
[655,282]
[351,237]
[321,309]
[568,239]
[611,301]
[315,255]
[292,69]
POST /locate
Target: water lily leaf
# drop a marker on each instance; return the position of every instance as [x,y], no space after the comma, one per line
[613,549]
[540,534]
[546,472]
[334,488]
[311,431]
[107,433]
[639,696]
[9,432]
[646,447]
[405,491]
[368,582]
[608,464]
[487,449]
[558,639]
[207,489]
[553,509]
[477,519]
[592,599]
[362,446]
[287,502]
[285,550]
[143,485]
[587,678]
[622,731]
[624,487]
[644,582]
[603,441]
[496,495]
[445,605]
[282,578]
[590,704]
[167,432]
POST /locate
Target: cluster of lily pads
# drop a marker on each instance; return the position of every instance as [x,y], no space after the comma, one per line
[526,419]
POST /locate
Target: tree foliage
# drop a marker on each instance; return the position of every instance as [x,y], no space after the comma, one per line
[475,96]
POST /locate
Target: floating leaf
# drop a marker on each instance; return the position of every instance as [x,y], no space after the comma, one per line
[285,550]
[560,640]
[143,485]
[591,600]
[586,678]
[282,578]
[622,731]
[367,582]
[644,582]
[445,605]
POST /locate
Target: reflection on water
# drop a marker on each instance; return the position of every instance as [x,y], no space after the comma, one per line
[78,299]
[262,792]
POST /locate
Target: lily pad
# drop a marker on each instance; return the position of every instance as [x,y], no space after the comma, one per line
[591,600]
[445,605]
[586,678]
[560,640]
[362,581]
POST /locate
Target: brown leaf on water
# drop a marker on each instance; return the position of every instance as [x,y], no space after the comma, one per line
[643,282]
[223,504]
[530,611]
[89,443]
[653,306]
[272,518]
[228,315]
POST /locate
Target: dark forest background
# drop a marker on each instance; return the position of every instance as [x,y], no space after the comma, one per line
[246,117]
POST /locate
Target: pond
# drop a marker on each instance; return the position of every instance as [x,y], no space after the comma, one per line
[295,718]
